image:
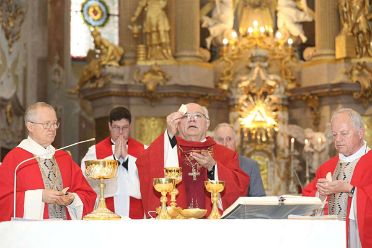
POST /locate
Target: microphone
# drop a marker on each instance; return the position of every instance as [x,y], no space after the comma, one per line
[34,157]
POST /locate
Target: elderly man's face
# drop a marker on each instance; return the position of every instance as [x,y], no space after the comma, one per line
[194,124]
[225,136]
[43,128]
[346,137]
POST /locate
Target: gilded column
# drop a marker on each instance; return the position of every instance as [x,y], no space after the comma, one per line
[326,28]
[187,30]
[126,10]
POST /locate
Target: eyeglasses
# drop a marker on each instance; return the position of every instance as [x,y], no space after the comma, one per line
[47,125]
[119,129]
[195,116]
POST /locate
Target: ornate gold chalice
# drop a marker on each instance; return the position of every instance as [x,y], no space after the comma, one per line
[164,186]
[101,169]
[214,187]
[176,174]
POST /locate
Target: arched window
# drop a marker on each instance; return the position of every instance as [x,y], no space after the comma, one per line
[81,39]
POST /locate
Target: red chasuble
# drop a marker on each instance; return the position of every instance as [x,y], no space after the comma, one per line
[103,150]
[29,178]
[151,165]
[362,180]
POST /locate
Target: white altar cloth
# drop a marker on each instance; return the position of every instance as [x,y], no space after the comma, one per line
[165,233]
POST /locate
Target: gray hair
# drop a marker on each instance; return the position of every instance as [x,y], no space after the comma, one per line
[31,110]
[224,124]
[355,117]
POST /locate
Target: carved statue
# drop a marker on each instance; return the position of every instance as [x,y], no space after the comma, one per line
[220,24]
[90,72]
[360,28]
[156,28]
[345,13]
[109,54]
[290,14]
[152,78]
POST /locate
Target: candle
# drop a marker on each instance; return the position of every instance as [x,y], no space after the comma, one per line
[292,144]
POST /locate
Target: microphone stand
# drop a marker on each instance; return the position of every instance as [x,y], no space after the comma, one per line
[24,161]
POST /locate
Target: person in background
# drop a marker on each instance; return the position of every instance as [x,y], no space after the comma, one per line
[123,192]
[224,135]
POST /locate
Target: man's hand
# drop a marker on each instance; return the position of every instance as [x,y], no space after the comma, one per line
[326,187]
[173,120]
[65,200]
[120,150]
[204,159]
[51,196]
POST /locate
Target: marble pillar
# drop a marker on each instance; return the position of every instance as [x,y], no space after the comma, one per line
[187,30]
[326,28]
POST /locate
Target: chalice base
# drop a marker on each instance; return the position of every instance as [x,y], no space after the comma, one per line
[102,214]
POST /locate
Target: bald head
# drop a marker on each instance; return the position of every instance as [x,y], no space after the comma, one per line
[224,134]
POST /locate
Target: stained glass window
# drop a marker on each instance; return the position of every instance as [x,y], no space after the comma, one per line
[81,39]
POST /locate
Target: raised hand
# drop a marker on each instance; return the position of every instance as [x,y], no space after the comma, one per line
[173,120]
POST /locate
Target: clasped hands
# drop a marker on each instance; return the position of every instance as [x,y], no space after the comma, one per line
[326,187]
[120,150]
[62,197]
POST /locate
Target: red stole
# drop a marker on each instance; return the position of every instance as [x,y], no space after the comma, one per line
[193,175]
[103,150]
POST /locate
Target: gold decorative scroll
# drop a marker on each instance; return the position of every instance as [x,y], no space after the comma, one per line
[147,129]
[12,16]
[368,126]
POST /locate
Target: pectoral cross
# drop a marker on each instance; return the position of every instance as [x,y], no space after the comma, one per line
[194,173]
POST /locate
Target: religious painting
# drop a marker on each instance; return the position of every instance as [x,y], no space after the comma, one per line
[147,129]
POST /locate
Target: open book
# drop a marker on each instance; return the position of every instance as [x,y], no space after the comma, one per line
[272,207]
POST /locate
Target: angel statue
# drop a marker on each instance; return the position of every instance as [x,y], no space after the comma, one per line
[290,14]
[221,22]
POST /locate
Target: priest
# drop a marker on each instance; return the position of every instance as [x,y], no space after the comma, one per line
[345,180]
[184,144]
[50,184]
[122,193]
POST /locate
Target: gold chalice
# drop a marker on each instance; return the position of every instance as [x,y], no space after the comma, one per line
[101,169]
[176,174]
[164,186]
[214,187]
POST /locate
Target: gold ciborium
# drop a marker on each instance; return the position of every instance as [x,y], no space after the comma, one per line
[214,187]
[101,169]
[164,186]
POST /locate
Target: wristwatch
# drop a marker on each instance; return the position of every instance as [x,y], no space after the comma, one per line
[351,193]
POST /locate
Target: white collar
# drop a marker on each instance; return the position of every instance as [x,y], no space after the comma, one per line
[363,150]
[35,148]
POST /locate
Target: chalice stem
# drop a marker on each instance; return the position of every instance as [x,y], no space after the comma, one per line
[101,203]
[214,213]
